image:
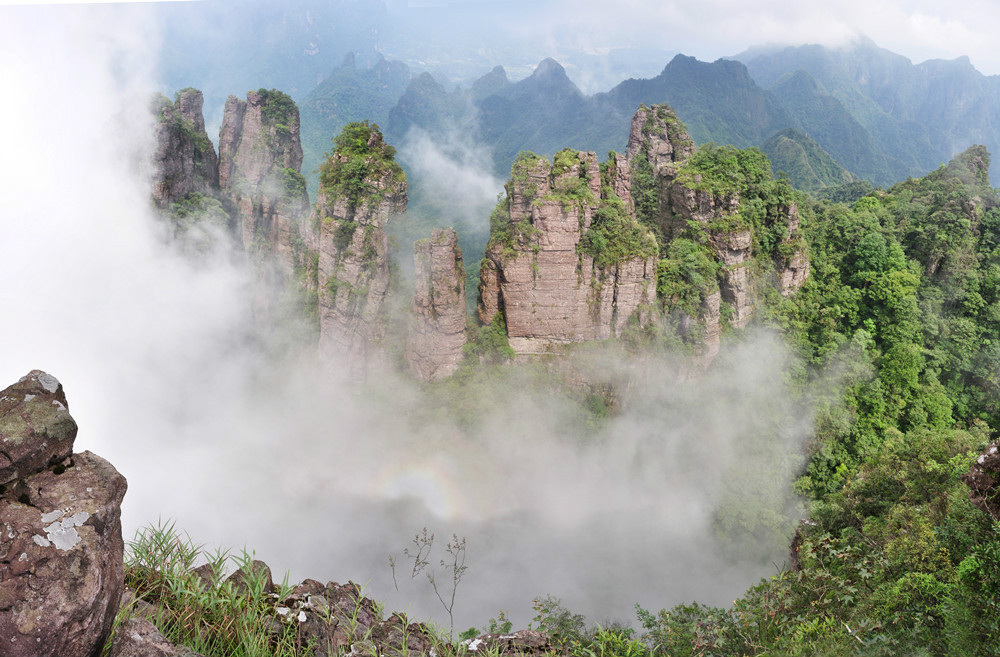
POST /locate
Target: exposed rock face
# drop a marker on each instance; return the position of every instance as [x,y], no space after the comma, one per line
[704,203]
[349,235]
[793,269]
[982,480]
[544,273]
[36,429]
[522,642]
[61,548]
[260,157]
[184,162]
[138,637]
[660,136]
[437,328]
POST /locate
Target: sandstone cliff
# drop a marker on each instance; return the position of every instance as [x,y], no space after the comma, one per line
[566,261]
[437,326]
[361,188]
[259,169]
[184,162]
[728,227]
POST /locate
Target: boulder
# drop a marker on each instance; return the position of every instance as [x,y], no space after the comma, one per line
[61,548]
[36,429]
[138,637]
[522,642]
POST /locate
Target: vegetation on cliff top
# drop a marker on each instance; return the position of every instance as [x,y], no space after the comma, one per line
[278,110]
[361,167]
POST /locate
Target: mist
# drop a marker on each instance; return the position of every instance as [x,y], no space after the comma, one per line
[684,494]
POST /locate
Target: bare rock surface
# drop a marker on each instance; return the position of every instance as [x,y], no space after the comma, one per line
[437,327]
[184,161]
[352,278]
[260,160]
[138,637]
[983,480]
[36,429]
[61,548]
[551,291]
[522,642]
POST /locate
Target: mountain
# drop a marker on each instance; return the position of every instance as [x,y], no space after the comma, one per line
[718,101]
[806,164]
[825,119]
[349,93]
[919,115]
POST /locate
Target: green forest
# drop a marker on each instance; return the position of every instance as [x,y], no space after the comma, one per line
[903,303]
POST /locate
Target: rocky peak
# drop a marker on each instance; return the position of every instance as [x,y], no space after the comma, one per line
[566,261]
[361,188]
[494,81]
[184,161]
[659,135]
[258,136]
[437,327]
[259,169]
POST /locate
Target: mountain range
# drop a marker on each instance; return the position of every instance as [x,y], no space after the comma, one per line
[859,112]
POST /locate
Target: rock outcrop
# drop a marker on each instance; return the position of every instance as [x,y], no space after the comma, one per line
[361,188]
[983,480]
[138,637]
[260,157]
[522,642]
[61,548]
[566,261]
[437,326]
[720,201]
[184,162]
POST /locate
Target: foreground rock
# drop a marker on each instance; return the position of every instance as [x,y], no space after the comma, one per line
[522,642]
[138,637]
[61,548]
[437,328]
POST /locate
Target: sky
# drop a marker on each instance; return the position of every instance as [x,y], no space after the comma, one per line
[709,29]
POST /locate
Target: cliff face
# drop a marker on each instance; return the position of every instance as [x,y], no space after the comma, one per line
[259,168]
[566,261]
[720,212]
[184,161]
[361,188]
[437,327]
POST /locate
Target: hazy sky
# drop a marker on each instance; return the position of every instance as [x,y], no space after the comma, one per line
[709,29]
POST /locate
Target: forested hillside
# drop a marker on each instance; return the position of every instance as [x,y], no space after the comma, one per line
[898,335]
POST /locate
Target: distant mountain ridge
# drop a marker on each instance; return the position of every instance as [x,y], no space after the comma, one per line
[918,115]
[862,109]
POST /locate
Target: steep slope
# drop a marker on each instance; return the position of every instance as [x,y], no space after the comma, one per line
[728,228]
[718,101]
[825,120]
[918,115]
[259,168]
[566,261]
[807,165]
[185,161]
[541,113]
[361,188]
[437,318]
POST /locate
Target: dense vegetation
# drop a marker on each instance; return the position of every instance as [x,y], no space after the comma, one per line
[904,305]
[360,166]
